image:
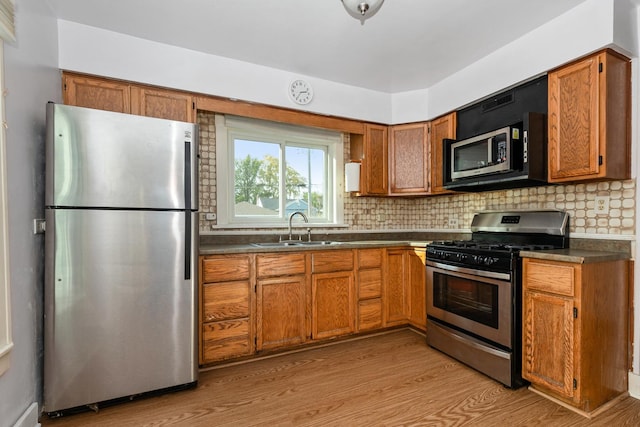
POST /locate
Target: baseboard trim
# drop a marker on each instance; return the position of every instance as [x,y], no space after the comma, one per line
[29,418]
[634,385]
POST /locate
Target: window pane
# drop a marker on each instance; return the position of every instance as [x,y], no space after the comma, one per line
[256,178]
[306,184]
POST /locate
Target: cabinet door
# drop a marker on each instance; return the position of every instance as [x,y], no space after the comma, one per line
[574,112]
[98,93]
[416,282]
[408,157]
[163,104]
[440,128]
[548,342]
[396,297]
[589,119]
[333,304]
[281,313]
[375,175]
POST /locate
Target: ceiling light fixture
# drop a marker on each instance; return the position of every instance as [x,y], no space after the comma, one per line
[362,9]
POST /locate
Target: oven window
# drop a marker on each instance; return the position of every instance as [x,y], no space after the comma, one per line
[474,300]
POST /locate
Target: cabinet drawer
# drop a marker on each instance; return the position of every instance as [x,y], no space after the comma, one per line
[370,314]
[225,268]
[369,258]
[370,283]
[222,340]
[549,276]
[229,300]
[280,264]
[328,261]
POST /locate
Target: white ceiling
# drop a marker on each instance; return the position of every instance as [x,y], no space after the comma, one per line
[407,45]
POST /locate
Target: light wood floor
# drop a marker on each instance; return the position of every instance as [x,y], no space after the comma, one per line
[391,379]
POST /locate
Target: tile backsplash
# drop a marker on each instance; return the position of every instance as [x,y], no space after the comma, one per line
[455,211]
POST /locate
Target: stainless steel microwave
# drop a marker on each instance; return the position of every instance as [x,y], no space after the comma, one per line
[513,156]
[489,153]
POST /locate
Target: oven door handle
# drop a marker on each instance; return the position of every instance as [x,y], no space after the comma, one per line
[471,271]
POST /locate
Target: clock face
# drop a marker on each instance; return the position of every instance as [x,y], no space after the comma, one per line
[301,92]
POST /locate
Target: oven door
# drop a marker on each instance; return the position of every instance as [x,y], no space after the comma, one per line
[467,300]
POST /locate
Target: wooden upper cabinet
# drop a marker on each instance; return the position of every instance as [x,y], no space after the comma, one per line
[408,159]
[589,119]
[163,104]
[123,97]
[95,92]
[374,177]
[440,128]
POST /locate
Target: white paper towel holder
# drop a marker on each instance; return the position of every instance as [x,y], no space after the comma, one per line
[352,177]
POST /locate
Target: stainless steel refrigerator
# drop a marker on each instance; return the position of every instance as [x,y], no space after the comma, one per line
[121,256]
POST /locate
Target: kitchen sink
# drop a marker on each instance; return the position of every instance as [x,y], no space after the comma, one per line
[294,243]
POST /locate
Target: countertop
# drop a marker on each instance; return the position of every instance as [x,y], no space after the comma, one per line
[213,249]
[577,256]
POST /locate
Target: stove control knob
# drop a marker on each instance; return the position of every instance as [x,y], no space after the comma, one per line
[490,261]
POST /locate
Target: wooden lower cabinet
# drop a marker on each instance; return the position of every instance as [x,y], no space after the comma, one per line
[575,330]
[226,315]
[333,294]
[281,314]
[396,297]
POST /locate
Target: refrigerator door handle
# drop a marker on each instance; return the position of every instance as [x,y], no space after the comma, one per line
[187,245]
[187,175]
[187,212]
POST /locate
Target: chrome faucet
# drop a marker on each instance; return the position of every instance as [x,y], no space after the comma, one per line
[291,217]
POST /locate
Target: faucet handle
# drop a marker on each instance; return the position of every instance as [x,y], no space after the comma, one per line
[309,234]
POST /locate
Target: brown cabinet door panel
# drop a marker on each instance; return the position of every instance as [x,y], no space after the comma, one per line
[225,268]
[370,283]
[163,104]
[328,261]
[333,304]
[98,93]
[225,339]
[281,315]
[370,314]
[548,333]
[229,300]
[408,157]
[440,128]
[271,265]
[370,258]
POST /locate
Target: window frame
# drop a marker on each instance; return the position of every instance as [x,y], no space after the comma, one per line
[6,343]
[229,127]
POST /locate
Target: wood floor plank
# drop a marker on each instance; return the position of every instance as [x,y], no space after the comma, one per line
[391,379]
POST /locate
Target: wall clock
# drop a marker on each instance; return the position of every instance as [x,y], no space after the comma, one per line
[301,92]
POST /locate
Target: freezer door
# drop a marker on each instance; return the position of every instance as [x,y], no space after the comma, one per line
[120,309]
[102,159]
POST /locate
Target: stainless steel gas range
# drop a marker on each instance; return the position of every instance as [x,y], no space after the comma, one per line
[474,289]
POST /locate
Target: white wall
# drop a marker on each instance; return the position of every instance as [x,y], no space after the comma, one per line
[31,78]
[129,58]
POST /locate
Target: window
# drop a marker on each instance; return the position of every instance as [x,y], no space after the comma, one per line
[266,171]
[7,32]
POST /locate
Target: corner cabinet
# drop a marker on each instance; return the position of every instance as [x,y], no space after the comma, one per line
[589,119]
[123,97]
[575,332]
[226,307]
[409,159]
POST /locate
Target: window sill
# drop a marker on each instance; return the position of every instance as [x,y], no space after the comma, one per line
[5,353]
